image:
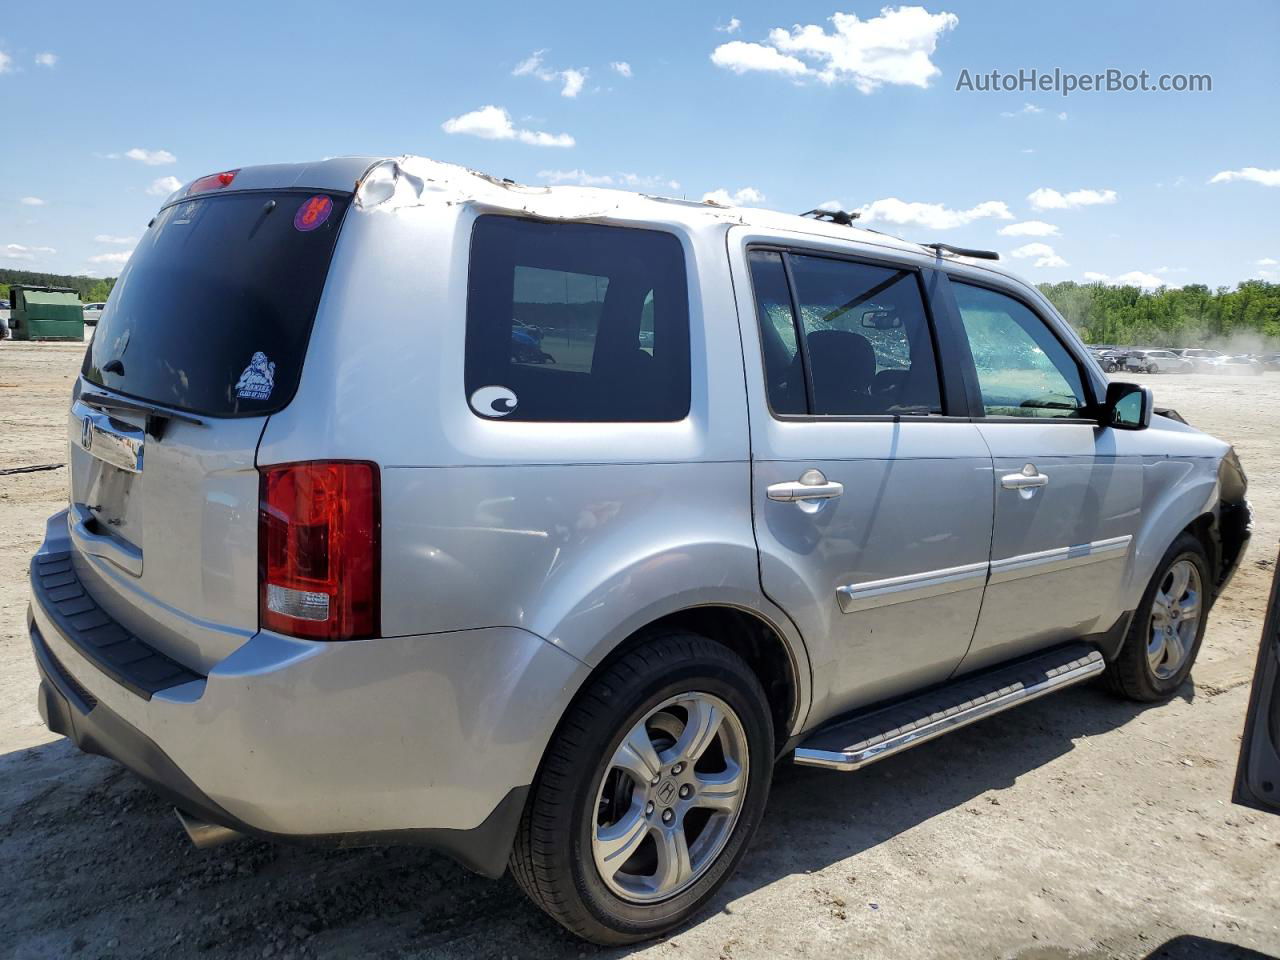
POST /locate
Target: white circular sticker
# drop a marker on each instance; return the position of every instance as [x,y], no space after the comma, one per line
[493,401]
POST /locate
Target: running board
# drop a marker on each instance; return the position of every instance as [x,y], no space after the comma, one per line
[864,739]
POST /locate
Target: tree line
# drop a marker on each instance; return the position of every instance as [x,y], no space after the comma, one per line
[88,289]
[1247,317]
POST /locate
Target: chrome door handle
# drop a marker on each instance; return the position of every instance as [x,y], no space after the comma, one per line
[1026,480]
[812,485]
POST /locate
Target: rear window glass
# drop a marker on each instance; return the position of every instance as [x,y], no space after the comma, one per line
[576,322]
[213,312]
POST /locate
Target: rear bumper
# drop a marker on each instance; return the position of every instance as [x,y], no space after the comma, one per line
[427,739]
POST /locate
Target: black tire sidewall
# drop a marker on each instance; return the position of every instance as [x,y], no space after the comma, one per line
[739,689]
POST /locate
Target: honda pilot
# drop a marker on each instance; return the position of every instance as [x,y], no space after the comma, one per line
[536,525]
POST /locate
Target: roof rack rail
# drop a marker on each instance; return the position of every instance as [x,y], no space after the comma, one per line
[941,248]
[842,217]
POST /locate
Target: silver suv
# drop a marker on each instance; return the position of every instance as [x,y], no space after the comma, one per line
[535,525]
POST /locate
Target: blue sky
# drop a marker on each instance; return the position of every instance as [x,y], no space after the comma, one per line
[100,101]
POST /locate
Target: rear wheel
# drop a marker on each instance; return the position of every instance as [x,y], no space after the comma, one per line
[649,793]
[1167,627]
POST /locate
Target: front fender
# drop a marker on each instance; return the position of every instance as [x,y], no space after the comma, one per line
[1176,492]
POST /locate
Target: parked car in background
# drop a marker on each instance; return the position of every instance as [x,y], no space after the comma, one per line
[92,311]
[1237,366]
[4,304]
[567,616]
[1111,359]
[1202,358]
[1159,361]
[1270,361]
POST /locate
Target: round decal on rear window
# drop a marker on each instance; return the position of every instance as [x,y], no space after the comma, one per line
[313,212]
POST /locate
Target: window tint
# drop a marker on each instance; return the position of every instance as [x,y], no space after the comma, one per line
[1023,369]
[576,322]
[865,344]
[214,310]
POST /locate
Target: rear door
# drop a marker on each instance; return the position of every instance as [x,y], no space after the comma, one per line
[872,507]
[1067,500]
[207,326]
[1258,769]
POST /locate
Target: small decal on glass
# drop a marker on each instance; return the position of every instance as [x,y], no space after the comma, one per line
[258,379]
[493,401]
[313,212]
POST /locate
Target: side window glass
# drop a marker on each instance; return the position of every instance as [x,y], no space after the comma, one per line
[784,378]
[867,339]
[576,323]
[1023,369]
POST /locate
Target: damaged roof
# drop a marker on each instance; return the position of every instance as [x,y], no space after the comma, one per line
[390,183]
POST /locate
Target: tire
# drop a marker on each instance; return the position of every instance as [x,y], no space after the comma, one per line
[1139,673]
[1152,368]
[554,859]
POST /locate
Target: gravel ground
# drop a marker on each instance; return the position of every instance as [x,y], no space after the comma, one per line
[1077,826]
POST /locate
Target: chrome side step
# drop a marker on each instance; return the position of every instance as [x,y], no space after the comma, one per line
[881,733]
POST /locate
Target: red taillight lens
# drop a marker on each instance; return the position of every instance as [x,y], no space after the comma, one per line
[319,527]
[212,182]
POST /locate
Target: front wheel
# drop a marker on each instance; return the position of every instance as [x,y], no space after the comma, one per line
[1168,626]
[649,792]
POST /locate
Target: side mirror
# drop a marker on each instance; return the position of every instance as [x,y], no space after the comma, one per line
[1127,407]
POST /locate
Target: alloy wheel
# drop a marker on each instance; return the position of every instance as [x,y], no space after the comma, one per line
[669,798]
[1175,619]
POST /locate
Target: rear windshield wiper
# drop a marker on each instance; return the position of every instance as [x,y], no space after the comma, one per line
[157,416]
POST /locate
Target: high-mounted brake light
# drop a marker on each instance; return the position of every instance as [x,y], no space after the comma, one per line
[212,182]
[319,526]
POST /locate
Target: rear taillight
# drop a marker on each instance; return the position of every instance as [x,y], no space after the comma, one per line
[213,181]
[319,527]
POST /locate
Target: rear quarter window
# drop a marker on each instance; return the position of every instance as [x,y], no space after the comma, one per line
[576,322]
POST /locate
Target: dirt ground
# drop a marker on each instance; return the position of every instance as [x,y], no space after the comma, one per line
[1077,826]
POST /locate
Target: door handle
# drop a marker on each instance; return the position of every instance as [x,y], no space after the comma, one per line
[812,485]
[1025,481]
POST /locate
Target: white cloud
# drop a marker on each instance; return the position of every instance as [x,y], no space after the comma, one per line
[1029,228]
[634,181]
[1268,178]
[932,216]
[733,26]
[6,62]
[110,238]
[893,48]
[1063,115]
[1134,278]
[1047,198]
[1045,255]
[736,199]
[152,158]
[164,186]
[46,59]
[1268,262]
[494,123]
[31,202]
[18,251]
[573,81]
[740,57]
[1026,108]
[621,68]
[120,258]
[580,177]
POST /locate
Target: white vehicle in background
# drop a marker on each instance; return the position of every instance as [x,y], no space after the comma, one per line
[1202,358]
[1237,366]
[1160,361]
[92,311]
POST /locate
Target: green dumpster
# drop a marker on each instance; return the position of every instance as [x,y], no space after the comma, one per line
[45,313]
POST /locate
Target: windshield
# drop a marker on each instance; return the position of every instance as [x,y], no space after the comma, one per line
[213,312]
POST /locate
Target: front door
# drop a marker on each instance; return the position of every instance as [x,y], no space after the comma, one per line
[872,509]
[1067,501]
